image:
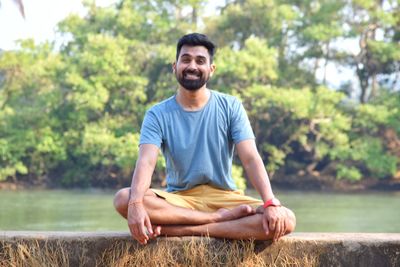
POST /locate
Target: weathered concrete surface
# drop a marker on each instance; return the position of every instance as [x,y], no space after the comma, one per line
[319,249]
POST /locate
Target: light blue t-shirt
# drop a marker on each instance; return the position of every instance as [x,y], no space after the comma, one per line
[197,145]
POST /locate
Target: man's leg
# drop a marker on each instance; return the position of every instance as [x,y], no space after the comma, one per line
[249,227]
[163,213]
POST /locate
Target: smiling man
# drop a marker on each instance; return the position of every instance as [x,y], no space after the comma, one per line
[197,131]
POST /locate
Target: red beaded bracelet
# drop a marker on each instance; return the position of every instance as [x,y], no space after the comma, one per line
[272,202]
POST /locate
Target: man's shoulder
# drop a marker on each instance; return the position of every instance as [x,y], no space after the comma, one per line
[164,105]
[224,96]
[226,101]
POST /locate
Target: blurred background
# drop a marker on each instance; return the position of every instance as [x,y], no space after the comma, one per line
[320,81]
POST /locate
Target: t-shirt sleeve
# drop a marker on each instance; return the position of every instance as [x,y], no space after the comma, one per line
[240,124]
[151,132]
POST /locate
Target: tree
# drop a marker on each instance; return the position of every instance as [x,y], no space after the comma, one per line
[376,25]
[30,137]
[72,116]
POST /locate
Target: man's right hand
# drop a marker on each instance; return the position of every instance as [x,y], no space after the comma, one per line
[139,223]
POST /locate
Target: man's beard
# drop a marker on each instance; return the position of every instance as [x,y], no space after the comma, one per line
[192,85]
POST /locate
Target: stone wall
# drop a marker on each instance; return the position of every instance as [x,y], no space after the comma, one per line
[118,249]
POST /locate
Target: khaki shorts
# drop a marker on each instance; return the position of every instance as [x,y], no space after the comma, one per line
[207,198]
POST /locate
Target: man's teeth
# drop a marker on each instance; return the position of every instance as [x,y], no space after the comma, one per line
[191,76]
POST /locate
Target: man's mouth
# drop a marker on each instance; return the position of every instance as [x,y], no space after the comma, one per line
[191,76]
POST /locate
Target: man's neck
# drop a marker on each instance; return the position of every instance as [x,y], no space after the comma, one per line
[193,100]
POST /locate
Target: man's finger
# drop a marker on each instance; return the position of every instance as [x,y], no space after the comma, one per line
[283,228]
[143,232]
[272,224]
[133,230]
[285,223]
[137,233]
[148,226]
[277,230]
[265,226]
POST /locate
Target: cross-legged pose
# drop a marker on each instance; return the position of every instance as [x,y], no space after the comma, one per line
[197,130]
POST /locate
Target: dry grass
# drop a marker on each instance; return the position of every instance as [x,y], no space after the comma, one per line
[33,254]
[195,252]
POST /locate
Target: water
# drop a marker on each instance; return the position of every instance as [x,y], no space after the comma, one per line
[59,210]
[62,210]
[329,212]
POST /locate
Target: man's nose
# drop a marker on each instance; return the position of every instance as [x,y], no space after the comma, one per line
[192,65]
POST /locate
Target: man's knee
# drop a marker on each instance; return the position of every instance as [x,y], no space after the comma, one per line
[121,199]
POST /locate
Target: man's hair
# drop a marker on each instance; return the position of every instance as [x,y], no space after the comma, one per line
[196,39]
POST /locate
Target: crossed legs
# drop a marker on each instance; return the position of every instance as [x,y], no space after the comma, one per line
[242,222]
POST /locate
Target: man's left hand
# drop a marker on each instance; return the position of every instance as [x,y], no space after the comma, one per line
[275,221]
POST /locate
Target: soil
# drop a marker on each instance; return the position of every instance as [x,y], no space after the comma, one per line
[287,182]
[307,183]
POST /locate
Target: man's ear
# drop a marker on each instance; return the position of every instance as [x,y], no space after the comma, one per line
[212,68]
[174,67]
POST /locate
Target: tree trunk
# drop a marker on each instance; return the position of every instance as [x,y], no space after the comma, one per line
[374,87]
[194,16]
[327,56]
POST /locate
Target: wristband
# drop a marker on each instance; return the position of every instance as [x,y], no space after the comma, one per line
[272,202]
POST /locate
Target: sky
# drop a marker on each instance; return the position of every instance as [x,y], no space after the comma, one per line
[40,22]
[42,17]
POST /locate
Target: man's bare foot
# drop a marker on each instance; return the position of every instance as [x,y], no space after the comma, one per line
[235,213]
[260,209]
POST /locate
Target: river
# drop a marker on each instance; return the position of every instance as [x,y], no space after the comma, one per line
[92,210]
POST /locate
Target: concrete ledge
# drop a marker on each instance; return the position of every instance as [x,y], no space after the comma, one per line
[117,248]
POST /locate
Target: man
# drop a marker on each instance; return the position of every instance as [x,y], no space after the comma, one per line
[197,130]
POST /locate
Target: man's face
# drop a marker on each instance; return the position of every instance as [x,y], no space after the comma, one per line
[193,68]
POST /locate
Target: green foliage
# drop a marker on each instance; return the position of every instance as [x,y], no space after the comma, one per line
[29,134]
[349,173]
[237,175]
[276,157]
[371,117]
[371,153]
[367,148]
[71,115]
[384,53]
[255,63]
[103,147]
[305,126]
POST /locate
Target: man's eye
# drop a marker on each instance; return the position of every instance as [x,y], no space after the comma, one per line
[201,61]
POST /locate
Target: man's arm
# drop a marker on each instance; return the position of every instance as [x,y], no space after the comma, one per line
[138,219]
[275,218]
